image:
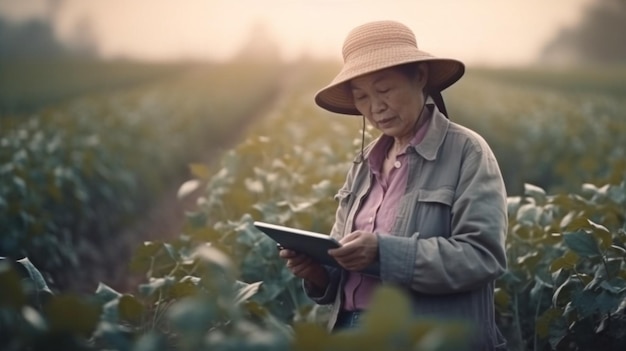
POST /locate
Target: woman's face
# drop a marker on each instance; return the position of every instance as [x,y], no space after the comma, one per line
[390,100]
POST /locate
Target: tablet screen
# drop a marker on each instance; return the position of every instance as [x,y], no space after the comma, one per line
[313,244]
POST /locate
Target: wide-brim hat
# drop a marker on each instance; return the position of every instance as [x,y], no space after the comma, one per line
[379,45]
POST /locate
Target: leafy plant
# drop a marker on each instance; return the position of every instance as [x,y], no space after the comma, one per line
[72,176]
[566,284]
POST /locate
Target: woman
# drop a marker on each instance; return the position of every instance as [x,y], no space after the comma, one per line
[425,201]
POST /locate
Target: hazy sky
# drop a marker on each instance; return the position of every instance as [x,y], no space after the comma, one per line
[501,32]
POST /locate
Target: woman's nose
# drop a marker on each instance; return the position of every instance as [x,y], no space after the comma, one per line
[378,104]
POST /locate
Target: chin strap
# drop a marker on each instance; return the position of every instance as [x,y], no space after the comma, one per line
[361,157]
[438,99]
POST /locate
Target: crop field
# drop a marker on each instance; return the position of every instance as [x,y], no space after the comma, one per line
[73,174]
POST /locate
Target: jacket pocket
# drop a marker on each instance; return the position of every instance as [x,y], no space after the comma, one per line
[434,212]
[443,196]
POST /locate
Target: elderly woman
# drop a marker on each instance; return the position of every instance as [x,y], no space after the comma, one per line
[425,201]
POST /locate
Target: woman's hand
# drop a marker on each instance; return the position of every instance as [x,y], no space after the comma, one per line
[303,266]
[358,250]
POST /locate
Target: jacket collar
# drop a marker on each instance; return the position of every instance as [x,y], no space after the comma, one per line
[437,130]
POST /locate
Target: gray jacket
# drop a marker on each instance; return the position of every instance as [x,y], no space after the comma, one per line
[447,244]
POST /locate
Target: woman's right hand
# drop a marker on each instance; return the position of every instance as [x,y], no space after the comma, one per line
[303,266]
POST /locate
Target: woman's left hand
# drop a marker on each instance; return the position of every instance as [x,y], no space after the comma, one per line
[358,250]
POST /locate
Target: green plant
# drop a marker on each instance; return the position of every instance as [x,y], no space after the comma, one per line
[566,284]
[198,305]
[73,176]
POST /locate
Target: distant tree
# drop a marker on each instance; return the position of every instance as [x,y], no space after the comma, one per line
[35,38]
[83,42]
[599,38]
[31,39]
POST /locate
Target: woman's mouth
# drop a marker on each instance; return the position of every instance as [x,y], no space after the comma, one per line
[385,122]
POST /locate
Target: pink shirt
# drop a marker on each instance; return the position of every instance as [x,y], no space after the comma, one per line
[378,210]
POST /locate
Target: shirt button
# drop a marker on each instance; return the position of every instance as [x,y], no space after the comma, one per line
[397,164]
[371,219]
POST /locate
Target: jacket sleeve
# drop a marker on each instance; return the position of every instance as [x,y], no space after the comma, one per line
[343,197]
[473,253]
[328,295]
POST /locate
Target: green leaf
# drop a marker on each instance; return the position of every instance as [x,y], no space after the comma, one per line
[528,214]
[187,188]
[583,244]
[151,341]
[255,309]
[171,252]
[34,319]
[130,309]
[185,287]
[564,292]
[529,260]
[200,171]
[154,258]
[584,301]
[155,284]
[209,254]
[558,331]
[144,256]
[19,184]
[390,311]
[110,311]
[192,315]
[547,318]
[502,299]
[11,294]
[616,285]
[68,313]
[105,293]
[574,221]
[538,288]
[608,302]
[601,232]
[513,203]
[35,275]
[114,336]
[568,219]
[535,192]
[590,189]
[617,194]
[567,261]
[244,291]
[310,337]
[202,234]
[196,219]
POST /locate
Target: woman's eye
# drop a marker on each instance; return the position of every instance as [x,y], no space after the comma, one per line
[383,91]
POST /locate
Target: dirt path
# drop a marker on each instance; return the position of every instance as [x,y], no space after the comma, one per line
[163,221]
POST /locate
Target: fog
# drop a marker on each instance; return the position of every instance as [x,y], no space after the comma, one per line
[479,32]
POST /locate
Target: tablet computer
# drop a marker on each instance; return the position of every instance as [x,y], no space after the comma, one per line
[313,244]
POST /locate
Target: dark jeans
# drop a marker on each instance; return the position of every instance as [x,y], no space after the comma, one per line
[347,320]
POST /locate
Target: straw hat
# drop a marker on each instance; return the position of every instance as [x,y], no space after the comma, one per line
[378,45]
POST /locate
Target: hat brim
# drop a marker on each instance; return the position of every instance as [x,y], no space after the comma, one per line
[336,97]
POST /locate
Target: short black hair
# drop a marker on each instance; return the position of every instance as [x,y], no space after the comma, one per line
[410,70]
